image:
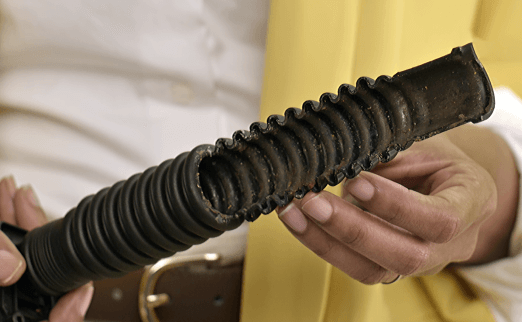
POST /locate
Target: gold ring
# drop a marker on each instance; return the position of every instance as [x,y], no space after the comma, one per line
[395,280]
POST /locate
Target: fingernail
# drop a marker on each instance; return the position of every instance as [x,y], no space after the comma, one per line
[10,265]
[360,188]
[318,208]
[11,186]
[30,196]
[294,218]
[84,300]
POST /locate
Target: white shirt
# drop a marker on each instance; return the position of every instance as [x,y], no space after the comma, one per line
[95,91]
[499,283]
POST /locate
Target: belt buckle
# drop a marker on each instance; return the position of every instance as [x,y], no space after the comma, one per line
[147,300]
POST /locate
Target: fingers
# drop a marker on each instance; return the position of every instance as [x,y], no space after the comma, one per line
[414,215]
[7,193]
[18,207]
[73,306]
[433,218]
[12,264]
[402,232]
[29,214]
[389,246]
[332,250]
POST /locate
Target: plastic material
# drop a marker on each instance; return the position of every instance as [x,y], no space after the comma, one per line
[214,188]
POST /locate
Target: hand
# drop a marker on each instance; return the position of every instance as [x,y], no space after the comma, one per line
[20,207]
[418,213]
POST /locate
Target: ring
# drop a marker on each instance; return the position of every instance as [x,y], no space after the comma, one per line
[395,280]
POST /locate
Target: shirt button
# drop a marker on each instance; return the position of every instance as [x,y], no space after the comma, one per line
[182,93]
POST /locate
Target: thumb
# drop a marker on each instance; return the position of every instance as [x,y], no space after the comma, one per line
[12,264]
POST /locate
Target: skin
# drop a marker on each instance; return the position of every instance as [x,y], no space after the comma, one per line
[451,199]
[19,206]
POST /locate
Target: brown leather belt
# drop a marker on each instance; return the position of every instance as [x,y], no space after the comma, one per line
[174,289]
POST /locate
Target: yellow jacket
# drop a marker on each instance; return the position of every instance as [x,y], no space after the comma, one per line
[314,46]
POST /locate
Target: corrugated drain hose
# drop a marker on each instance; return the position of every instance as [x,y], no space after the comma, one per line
[214,188]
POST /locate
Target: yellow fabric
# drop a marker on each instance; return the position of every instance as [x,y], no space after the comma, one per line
[313,47]
[498,41]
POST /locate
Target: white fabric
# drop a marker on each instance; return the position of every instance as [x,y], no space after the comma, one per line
[500,283]
[93,91]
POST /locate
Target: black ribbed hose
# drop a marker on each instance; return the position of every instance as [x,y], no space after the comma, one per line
[214,188]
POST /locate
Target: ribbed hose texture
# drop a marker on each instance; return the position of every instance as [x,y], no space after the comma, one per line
[214,188]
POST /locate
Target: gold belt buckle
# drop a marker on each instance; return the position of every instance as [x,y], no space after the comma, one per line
[147,300]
